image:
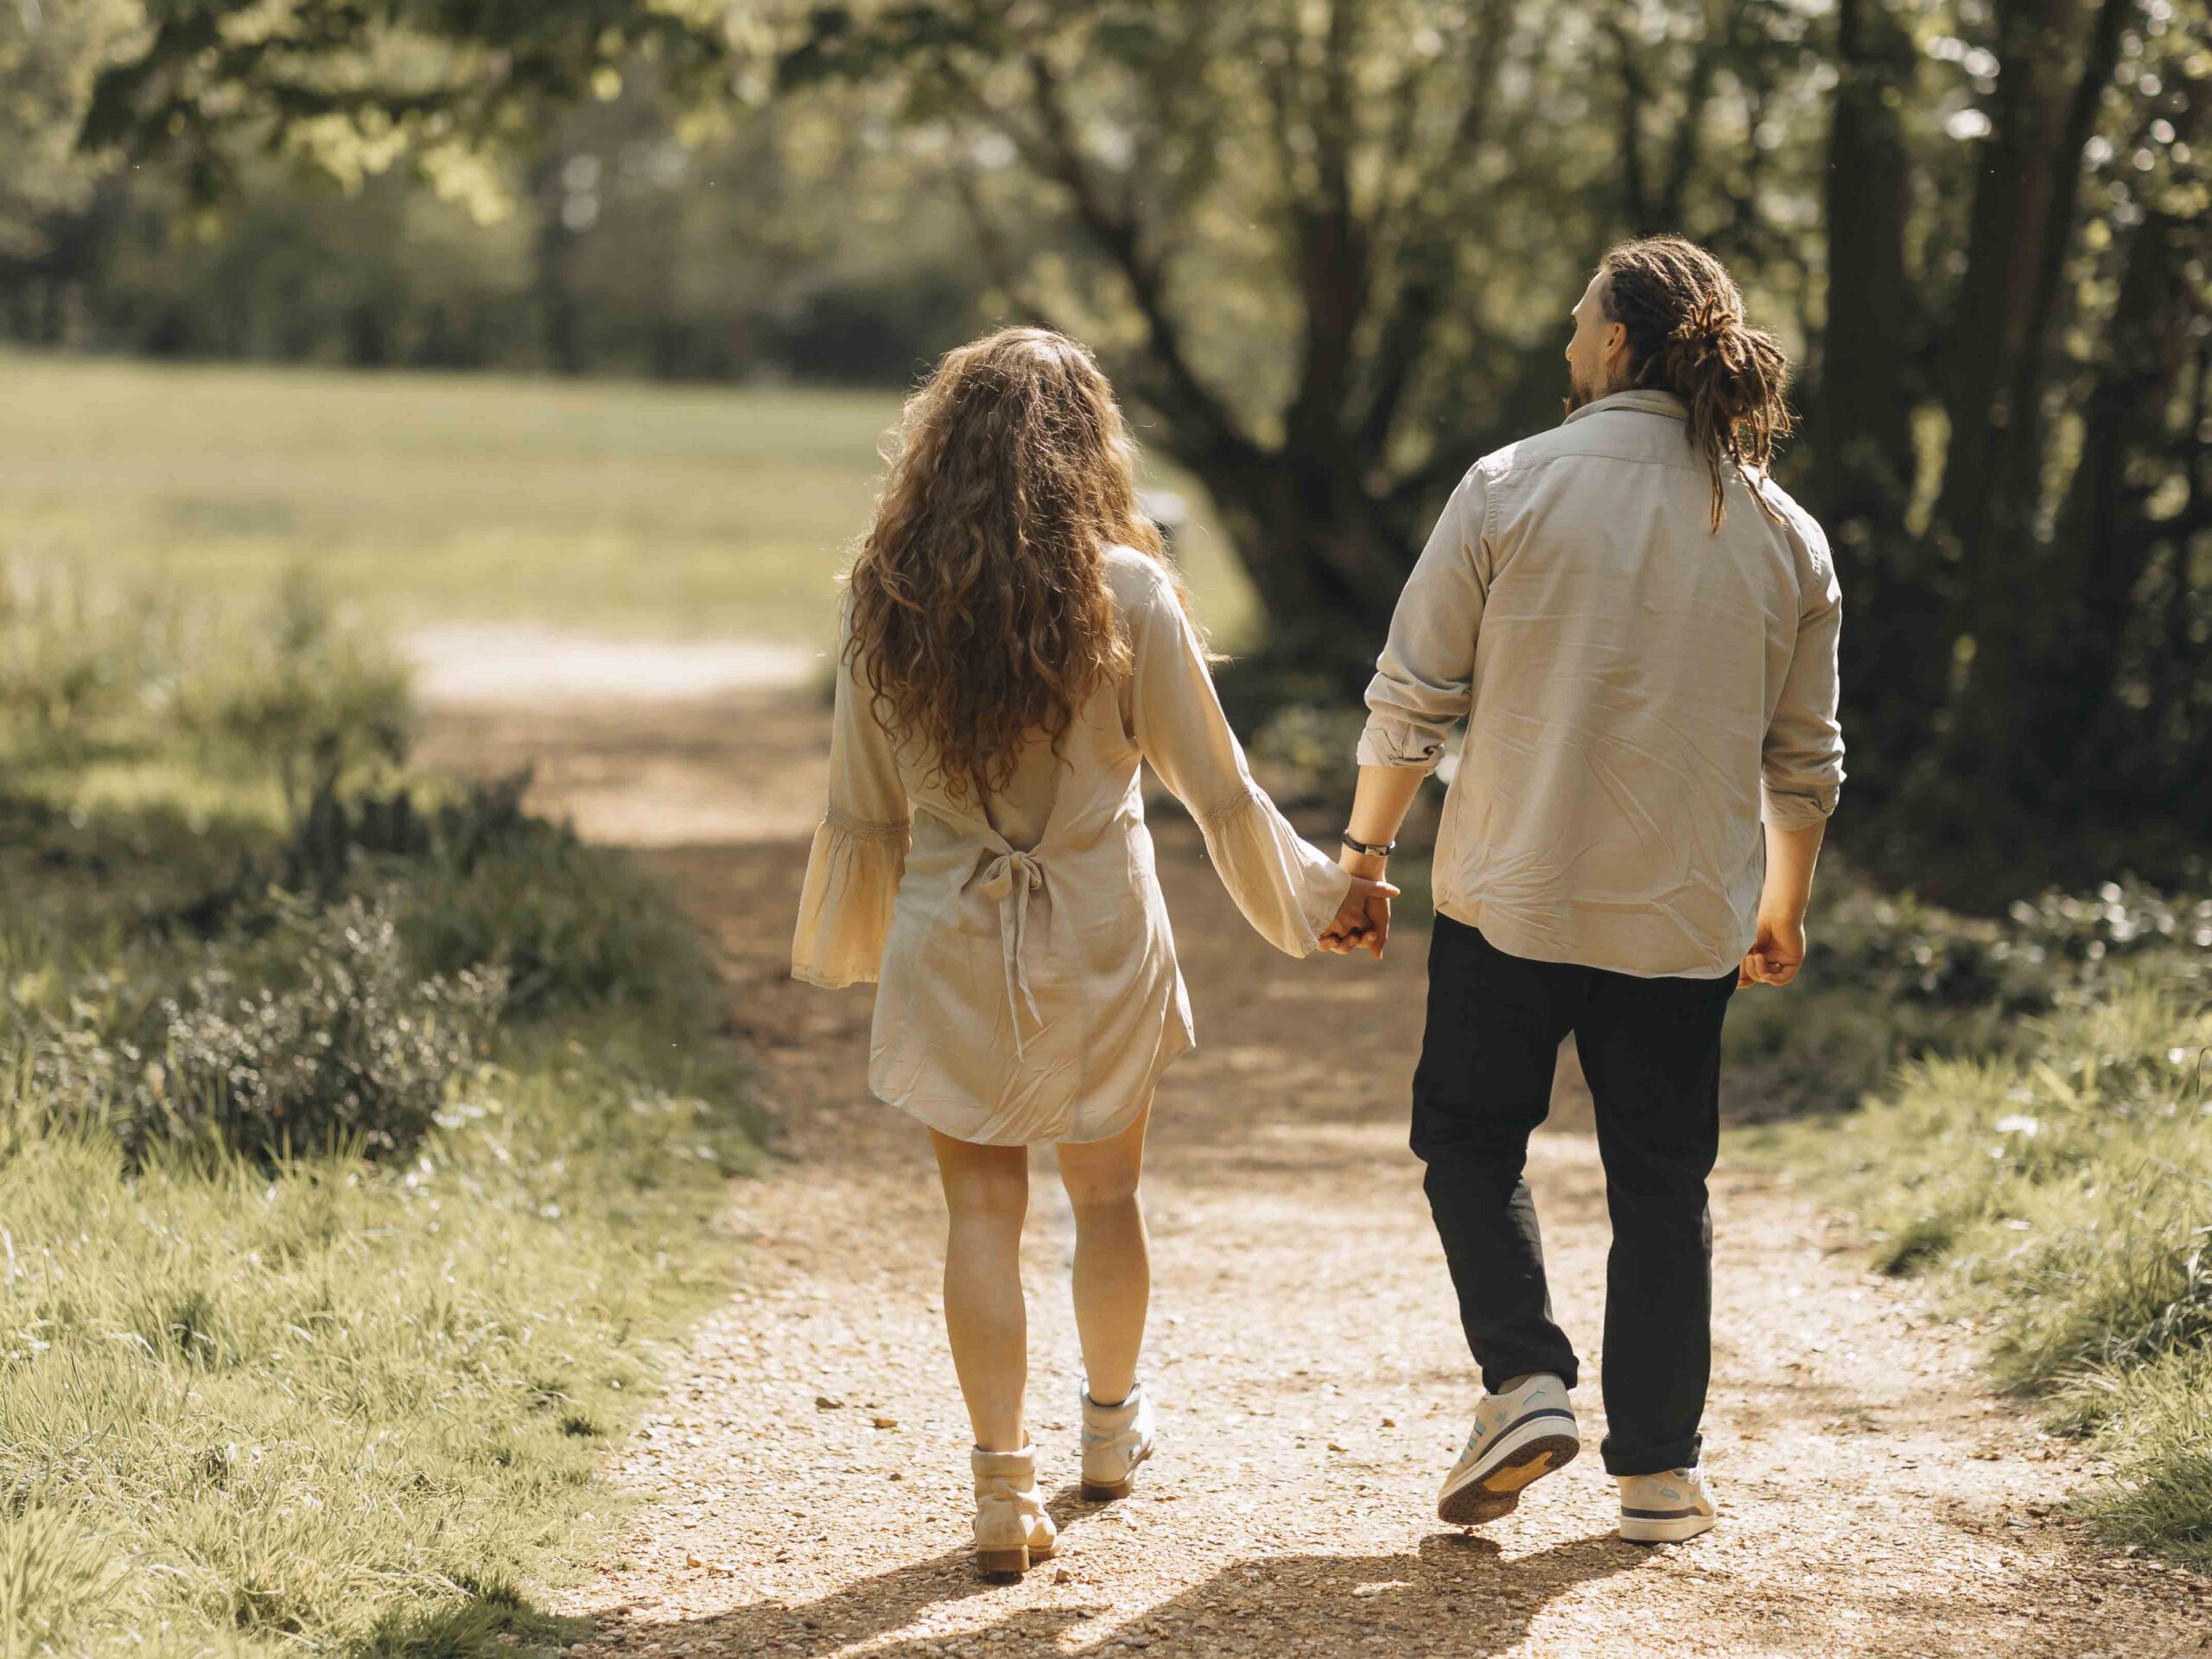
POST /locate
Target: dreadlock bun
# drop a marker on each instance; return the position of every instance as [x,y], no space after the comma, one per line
[1684,316]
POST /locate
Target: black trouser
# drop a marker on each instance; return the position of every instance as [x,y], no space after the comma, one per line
[1651,1050]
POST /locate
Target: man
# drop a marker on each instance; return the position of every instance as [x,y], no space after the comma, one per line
[1640,630]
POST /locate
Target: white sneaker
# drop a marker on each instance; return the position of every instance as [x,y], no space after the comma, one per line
[1666,1508]
[1518,1435]
[1115,1438]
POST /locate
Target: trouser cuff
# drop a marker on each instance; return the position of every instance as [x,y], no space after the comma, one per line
[1655,1460]
[1496,1372]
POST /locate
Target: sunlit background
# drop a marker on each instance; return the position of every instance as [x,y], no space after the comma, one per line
[430,437]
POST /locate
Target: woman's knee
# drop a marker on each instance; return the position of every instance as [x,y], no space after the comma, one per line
[985,1183]
[1106,1185]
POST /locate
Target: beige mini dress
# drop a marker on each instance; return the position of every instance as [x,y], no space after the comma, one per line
[1027,988]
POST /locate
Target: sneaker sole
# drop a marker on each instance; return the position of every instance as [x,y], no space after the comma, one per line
[1497,1490]
[1666,1527]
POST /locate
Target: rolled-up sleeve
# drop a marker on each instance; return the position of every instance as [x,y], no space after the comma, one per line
[1801,768]
[1424,678]
[859,854]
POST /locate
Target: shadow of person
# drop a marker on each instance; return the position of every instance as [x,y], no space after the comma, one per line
[859,1610]
[1456,1595]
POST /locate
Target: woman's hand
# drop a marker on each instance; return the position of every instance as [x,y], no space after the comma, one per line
[1363,919]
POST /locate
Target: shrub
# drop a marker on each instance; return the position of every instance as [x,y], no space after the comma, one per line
[477,879]
[309,698]
[1889,979]
[81,665]
[318,1035]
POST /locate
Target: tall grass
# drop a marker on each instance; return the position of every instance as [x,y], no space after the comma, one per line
[326,1270]
[296,1404]
[2063,1191]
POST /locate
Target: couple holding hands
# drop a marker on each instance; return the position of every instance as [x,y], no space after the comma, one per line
[1639,628]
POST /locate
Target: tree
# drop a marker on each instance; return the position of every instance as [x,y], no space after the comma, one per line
[1326,246]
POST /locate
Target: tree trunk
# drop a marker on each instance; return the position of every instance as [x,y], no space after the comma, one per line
[1894,662]
[1328,559]
[2052,74]
[2108,540]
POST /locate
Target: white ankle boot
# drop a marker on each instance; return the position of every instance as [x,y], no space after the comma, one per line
[1115,1438]
[1012,1529]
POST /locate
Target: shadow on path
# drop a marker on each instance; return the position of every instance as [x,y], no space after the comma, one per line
[1456,1594]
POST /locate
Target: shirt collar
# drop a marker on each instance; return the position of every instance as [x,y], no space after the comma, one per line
[1643,401]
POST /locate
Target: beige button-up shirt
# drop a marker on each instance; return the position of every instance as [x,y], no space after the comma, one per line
[1633,683]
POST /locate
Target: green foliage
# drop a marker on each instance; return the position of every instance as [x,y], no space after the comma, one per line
[1889,979]
[326,1277]
[2064,1192]
[1260,212]
[81,666]
[350,1046]
[308,697]
[330,1404]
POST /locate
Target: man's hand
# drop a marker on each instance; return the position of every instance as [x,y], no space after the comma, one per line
[1362,919]
[1777,953]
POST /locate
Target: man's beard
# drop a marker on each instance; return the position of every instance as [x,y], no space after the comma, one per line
[1578,394]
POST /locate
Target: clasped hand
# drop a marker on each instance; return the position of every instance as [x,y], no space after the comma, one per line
[1363,919]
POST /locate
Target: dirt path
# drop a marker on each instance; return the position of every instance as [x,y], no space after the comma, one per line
[806,1478]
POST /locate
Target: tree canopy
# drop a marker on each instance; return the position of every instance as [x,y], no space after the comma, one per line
[1328,247]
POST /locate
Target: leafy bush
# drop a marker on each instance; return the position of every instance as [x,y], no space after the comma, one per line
[1889,979]
[319,1034]
[350,1046]
[78,660]
[477,879]
[309,698]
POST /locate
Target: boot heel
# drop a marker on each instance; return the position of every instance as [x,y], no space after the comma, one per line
[1012,1532]
[1106,1491]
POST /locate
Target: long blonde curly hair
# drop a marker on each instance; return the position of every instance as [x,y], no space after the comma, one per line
[978,610]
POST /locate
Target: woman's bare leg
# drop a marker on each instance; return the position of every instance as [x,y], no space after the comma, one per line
[987,1192]
[1113,1261]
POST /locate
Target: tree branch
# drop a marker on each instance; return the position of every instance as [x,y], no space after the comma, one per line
[1428,277]
[1118,236]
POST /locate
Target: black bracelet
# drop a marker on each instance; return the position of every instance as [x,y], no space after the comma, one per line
[1383,851]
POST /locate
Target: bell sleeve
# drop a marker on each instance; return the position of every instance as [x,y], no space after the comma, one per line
[860,847]
[1287,888]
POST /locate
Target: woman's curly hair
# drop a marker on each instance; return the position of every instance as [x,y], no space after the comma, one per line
[978,610]
[1686,334]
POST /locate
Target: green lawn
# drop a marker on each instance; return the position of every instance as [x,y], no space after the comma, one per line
[616,505]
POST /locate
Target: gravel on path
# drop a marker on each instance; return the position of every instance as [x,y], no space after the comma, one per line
[806,1479]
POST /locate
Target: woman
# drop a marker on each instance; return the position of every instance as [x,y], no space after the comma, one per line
[1013,644]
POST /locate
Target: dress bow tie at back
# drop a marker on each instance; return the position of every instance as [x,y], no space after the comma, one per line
[1010,879]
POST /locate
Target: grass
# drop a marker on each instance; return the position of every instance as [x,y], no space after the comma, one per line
[333,1403]
[304,1407]
[620,507]
[2063,1190]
